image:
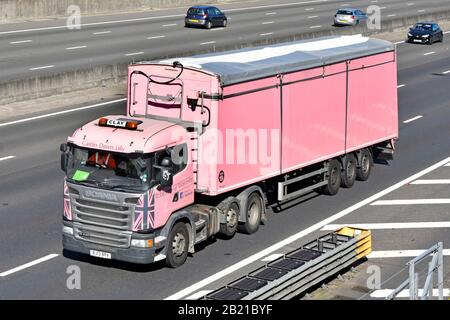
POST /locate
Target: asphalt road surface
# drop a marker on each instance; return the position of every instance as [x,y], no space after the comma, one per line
[46,47]
[32,265]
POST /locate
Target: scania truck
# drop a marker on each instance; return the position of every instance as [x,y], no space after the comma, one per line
[209,142]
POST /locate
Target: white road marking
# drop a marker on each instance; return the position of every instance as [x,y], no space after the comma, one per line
[421,10]
[266,34]
[428,53]
[199,295]
[22,41]
[268,22]
[134,53]
[447,165]
[101,32]
[345,5]
[383,8]
[400,86]
[312,17]
[374,1]
[314,27]
[261,254]
[218,29]
[75,48]
[413,119]
[410,4]
[155,37]
[160,17]
[445,72]
[43,67]
[272,257]
[209,42]
[392,15]
[28,265]
[309,9]
[7,158]
[399,42]
[432,181]
[270,13]
[384,293]
[169,25]
[445,32]
[400,254]
[409,202]
[386,226]
[61,112]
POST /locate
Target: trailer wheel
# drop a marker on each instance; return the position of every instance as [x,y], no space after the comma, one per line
[365,166]
[177,245]
[228,230]
[253,212]
[334,178]
[348,174]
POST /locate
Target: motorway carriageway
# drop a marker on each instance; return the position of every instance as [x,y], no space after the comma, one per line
[32,265]
[47,47]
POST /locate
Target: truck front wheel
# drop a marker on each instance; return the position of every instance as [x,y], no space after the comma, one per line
[334,178]
[365,166]
[253,213]
[178,245]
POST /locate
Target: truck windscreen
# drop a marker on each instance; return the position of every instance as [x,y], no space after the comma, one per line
[109,170]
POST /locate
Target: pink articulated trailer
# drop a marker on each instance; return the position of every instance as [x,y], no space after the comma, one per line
[209,142]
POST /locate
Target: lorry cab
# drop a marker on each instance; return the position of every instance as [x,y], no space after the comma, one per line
[119,172]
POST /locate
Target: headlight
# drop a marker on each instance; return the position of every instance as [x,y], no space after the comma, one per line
[142,243]
[409,34]
[425,36]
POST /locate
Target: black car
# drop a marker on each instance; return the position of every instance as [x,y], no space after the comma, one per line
[425,32]
[205,16]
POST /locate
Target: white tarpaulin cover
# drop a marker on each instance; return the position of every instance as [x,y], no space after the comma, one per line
[257,62]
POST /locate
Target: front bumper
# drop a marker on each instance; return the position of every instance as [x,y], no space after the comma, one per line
[418,39]
[131,254]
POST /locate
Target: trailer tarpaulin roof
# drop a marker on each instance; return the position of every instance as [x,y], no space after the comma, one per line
[258,62]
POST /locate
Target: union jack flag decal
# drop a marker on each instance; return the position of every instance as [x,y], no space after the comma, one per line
[67,208]
[144,214]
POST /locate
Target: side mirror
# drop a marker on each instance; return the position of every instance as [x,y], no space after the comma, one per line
[64,161]
[164,175]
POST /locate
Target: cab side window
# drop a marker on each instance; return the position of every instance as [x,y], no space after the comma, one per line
[176,156]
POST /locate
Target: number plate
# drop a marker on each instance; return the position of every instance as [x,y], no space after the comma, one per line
[193,20]
[415,40]
[100,254]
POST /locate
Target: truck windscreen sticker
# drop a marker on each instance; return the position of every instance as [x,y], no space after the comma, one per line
[80,175]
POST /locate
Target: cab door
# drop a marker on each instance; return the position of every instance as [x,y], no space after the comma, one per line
[174,164]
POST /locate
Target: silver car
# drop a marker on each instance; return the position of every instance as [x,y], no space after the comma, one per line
[349,17]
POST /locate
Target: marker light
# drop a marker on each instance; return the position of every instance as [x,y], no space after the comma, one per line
[131,125]
[103,122]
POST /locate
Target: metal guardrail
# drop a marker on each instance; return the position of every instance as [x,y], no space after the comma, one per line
[436,264]
[299,270]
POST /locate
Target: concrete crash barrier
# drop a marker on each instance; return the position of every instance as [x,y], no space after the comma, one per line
[296,272]
[39,9]
[70,81]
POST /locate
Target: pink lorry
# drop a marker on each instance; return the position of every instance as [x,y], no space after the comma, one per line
[209,142]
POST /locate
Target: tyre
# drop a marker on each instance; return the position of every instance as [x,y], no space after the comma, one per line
[177,245]
[348,173]
[228,230]
[253,212]
[224,23]
[430,41]
[334,178]
[365,166]
[208,25]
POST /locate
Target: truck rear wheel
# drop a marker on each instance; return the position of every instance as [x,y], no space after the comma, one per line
[348,173]
[253,212]
[177,245]
[334,178]
[228,230]
[365,165]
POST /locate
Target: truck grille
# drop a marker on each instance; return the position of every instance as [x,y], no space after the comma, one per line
[102,236]
[98,213]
